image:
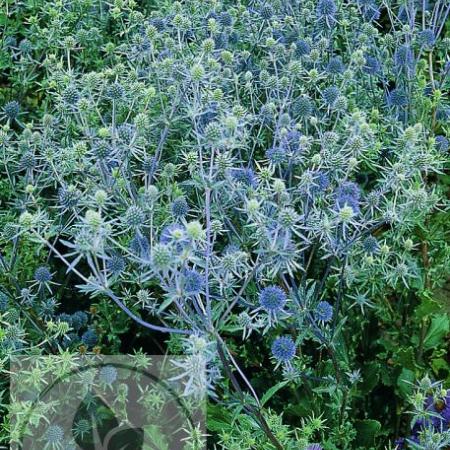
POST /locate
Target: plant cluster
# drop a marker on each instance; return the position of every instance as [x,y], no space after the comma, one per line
[259,186]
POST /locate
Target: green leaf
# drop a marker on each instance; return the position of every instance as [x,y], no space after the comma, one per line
[439,328]
[366,432]
[272,391]
[440,364]
[219,419]
[405,358]
[427,306]
[370,377]
[405,382]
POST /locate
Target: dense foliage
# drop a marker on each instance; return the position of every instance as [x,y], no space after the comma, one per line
[261,185]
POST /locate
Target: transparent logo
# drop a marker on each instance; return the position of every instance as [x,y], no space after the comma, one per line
[104,402]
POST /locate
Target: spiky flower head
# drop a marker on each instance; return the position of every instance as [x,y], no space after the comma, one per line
[79,320]
[43,275]
[370,245]
[442,143]
[272,299]
[161,256]
[330,95]
[323,312]
[283,349]
[108,374]
[71,95]
[115,91]
[397,98]
[11,109]
[116,264]
[89,338]
[54,435]
[179,207]
[134,217]
[193,282]
[326,11]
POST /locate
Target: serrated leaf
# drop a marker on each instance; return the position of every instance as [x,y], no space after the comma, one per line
[405,358]
[439,328]
[405,382]
[427,307]
[440,364]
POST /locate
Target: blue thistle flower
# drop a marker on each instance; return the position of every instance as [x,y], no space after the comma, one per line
[404,59]
[326,12]
[126,132]
[116,264]
[3,302]
[158,23]
[314,447]
[372,66]
[225,19]
[321,182]
[221,40]
[54,435]
[68,197]
[102,150]
[140,245]
[441,143]
[193,282]
[397,98]
[108,374]
[302,107]
[115,91]
[25,46]
[291,141]
[266,11]
[272,299]
[134,217]
[89,338]
[168,232]
[179,207]
[244,176]
[302,48]
[70,96]
[335,66]
[64,317]
[47,308]
[323,312]
[442,114]
[276,155]
[370,245]
[43,275]
[348,194]
[79,320]
[147,164]
[11,109]
[283,349]
[427,38]
[28,161]
[279,36]
[10,41]
[331,94]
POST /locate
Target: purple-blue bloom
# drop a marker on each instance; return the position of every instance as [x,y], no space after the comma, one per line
[283,349]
